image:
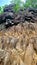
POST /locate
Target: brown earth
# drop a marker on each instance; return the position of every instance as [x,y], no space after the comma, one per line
[18,45]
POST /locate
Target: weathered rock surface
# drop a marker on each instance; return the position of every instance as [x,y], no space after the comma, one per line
[9,8]
[18,37]
[10,18]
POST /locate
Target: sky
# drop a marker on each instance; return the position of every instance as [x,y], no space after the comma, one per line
[3,2]
[23,1]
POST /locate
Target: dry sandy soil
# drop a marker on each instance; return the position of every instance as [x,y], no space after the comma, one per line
[18,45]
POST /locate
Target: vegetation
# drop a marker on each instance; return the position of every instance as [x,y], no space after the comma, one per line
[28,3]
[31,3]
[1,10]
[19,4]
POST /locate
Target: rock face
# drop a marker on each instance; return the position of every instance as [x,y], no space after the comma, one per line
[18,37]
[10,18]
[9,8]
[6,15]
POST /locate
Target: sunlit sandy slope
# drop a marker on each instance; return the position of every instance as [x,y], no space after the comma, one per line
[18,45]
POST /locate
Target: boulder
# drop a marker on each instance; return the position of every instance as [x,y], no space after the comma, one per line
[9,8]
[6,15]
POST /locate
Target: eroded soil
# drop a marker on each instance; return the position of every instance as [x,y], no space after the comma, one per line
[18,45]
